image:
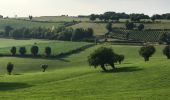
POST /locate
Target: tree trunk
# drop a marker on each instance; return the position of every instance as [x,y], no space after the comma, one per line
[112,65]
[146,59]
[103,67]
[120,62]
[168,57]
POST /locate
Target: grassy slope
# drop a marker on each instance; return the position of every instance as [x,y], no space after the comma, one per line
[73,79]
[56,46]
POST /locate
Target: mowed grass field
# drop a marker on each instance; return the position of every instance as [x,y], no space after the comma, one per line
[71,78]
[56,46]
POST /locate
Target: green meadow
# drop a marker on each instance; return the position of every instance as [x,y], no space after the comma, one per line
[71,78]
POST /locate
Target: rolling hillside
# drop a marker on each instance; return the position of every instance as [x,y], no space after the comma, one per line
[71,78]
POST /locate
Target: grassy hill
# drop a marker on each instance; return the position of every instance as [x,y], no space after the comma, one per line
[56,46]
[58,18]
[71,78]
[21,23]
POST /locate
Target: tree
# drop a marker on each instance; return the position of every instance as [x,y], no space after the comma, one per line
[120,58]
[109,27]
[101,57]
[166,51]
[147,51]
[34,50]
[153,18]
[129,25]
[10,68]
[8,29]
[13,51]
[127,36]
[44,67]
[89,32]
[141,27]
[165,38]
[92,17]
[30,17]
[22,51]
[48,51]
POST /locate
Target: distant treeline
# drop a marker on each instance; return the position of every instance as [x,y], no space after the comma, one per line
[60,33]
[134,17]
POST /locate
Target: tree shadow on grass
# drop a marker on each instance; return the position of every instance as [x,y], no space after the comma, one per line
[7,86]
[123,69]
[18,74]
[45,58]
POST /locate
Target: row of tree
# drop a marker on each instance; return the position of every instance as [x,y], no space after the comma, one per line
[132,25]
[106,56]
[60,33]
[133,17]
[34,51]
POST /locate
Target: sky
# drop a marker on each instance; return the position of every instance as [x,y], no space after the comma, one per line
[23,8]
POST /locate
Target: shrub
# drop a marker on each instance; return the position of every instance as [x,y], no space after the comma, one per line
[22,51]
[34,50]
[44,67]
[147,51]
[13,51]
[48,51]
[10,68]
[166,51]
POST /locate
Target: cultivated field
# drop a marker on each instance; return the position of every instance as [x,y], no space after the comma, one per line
[99,28]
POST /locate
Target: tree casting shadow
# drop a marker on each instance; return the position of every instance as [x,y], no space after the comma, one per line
[123,69]
[6,86]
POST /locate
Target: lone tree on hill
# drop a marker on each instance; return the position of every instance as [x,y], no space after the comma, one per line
[44,67]
[166,51]
[147,52]
[48,51]
[101,57]
[10,68]
[34,50]
[22,51]
[13,51]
